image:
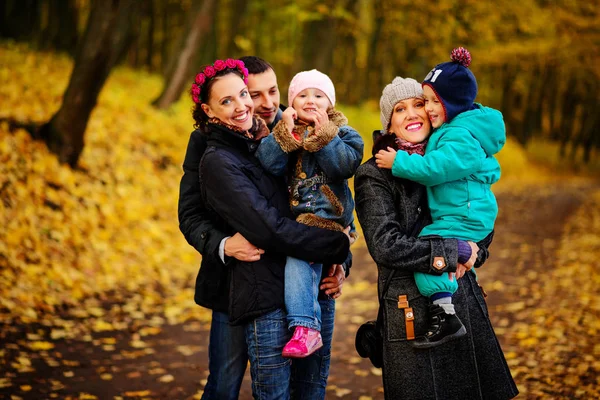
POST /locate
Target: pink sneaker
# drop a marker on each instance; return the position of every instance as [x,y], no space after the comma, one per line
[303,343]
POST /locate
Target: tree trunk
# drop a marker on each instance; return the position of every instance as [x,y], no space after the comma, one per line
[61,31]
[373,76]
[179,72]
[568,118]
[319,43]
[240,7]
[150,38]
[21,19]
[105,36]
[165,37]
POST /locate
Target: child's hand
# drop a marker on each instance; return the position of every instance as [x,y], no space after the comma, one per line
[320,118]
[385,158]
[288,116]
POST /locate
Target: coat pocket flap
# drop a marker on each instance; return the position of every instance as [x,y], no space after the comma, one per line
[403,292]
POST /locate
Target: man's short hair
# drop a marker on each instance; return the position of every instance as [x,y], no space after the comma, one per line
[256,65]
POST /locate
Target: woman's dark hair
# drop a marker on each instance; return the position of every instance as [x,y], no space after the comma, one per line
[383,142]
[197,112]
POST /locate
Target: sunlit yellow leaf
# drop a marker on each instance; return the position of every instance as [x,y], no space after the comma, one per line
[166,378]
[87,396]
[139,393]
[37,346]
[106,377]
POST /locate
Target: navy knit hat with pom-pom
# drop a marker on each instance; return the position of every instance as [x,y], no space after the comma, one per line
[454,83]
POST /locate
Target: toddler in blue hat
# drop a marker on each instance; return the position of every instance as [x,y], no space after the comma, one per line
[458,169]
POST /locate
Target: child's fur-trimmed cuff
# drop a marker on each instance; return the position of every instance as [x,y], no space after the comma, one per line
[319,222]
[282,135]
[321,137]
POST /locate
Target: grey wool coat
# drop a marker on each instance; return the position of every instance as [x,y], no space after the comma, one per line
[472,367]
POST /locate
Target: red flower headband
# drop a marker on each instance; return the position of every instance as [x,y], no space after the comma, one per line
[212,70]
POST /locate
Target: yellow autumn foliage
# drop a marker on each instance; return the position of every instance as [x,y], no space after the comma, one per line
[108,230]
[68,235]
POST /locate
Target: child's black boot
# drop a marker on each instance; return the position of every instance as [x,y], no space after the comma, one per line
[443,328]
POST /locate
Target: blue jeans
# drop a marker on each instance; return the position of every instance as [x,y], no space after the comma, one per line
[276,377]
[301,293]
[309,375]
[227,359]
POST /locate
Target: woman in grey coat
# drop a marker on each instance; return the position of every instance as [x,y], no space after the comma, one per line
[391,212]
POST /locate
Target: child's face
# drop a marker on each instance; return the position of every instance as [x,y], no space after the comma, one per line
[230,102]
[409,120]
[434,107]
[308,101]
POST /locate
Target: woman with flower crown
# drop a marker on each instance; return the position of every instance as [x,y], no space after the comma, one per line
[248,200]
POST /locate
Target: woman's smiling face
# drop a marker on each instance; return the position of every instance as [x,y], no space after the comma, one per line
[230,102]
[409,120]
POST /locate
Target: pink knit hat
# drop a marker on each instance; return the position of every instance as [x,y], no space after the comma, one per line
[312,79]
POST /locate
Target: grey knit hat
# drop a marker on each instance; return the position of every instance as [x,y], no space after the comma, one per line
[399,89]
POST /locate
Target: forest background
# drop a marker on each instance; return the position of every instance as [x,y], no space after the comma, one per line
[94,125]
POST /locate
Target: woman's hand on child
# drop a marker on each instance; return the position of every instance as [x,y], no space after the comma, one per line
[289,116]
[462,269]
[239,248]
[385,158]
[474,249]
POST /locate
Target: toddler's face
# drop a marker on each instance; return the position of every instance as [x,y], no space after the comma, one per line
[308,101]
[434,107]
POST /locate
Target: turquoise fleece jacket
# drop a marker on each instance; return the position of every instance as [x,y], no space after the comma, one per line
[458,169]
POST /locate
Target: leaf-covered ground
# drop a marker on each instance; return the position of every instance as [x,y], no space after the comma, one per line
[96,280]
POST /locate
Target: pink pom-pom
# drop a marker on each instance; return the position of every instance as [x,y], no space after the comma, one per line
[462,56]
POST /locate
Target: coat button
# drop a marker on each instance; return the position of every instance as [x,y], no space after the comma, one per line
[302,175]
[295,203]
[439,263]
[419,209]
[409,314]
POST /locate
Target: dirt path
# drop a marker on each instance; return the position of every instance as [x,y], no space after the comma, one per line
[172,364]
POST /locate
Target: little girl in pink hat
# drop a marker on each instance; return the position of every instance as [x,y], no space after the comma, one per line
[317,150]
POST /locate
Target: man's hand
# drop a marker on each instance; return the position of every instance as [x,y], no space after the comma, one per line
[385,158]
[352,239]
[333,282]
[239,248]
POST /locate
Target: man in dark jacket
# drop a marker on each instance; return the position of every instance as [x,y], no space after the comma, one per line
[227,346]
